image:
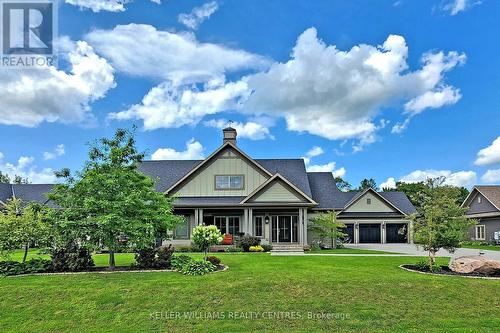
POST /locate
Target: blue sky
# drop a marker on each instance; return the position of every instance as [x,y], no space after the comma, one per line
[382,89]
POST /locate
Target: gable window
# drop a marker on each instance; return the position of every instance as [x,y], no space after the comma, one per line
[479,199]
[259,230]
[480,232]
[368,201]
[229,182]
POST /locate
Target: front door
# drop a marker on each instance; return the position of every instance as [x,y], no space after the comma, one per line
[284,229]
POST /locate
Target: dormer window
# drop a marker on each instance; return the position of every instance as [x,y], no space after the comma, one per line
[229,182]
[479,199]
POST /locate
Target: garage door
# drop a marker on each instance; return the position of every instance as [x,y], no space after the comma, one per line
[369,233]
[396,233]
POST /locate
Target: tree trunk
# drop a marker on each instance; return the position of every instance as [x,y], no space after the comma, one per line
[432,257]
[112,263]
[26,247]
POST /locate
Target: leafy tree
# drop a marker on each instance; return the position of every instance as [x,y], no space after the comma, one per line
[22,225]
[4,178]
[368,183]
[205,236]
[442,222]
[110,203]
[326,226]
[342,184]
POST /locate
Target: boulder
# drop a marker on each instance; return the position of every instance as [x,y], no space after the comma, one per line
[475,264]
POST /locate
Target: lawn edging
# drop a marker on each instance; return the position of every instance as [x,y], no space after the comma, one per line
[451,275]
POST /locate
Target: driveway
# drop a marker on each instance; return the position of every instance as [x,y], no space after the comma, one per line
[412,249]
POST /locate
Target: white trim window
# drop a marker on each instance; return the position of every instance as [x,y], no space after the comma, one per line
[480,232]
[229,182]
[479,199]
[182,230]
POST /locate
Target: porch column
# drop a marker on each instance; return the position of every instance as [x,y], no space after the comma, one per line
[301,226]
[244,227]
[383,237]
[250,222]
[196,217]
[356,232]
[305,226]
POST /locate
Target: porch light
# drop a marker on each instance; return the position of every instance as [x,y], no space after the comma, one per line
[266,219]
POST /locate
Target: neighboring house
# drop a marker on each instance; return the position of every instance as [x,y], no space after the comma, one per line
[484,206]
[273,199]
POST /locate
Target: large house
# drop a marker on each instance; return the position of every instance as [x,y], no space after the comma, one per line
[484,205]
[273,199]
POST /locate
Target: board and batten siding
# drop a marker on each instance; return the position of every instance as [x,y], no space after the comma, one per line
[277,192]
[377,205]
[203,184]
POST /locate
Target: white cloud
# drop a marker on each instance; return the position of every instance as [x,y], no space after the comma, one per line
[58,151]
[198,15]
[194,151]
[26,169]
[142,50]
[445,95]
[338,94]
[460,178]
[30,97]
[103,5]
[491,176]
[456,6]
[490,154]
[250,130]
[167,106]
[390,183]
[328,167]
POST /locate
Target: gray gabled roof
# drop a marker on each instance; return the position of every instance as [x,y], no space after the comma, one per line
[169,172]
[491,192]
[5,192]
[26,192]
[326,193]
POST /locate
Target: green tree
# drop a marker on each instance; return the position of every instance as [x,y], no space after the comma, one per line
[205,236]
[326,226]
[110,203]
[342,184]
[4,178]
[23,225]
[368,183]
[442,222]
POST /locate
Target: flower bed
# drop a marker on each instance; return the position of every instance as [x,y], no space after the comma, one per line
[445,270]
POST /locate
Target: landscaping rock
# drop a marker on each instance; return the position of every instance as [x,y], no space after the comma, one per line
[475,264]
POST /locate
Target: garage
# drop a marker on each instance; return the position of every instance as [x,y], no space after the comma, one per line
[349,231]
[396,233]
[369,233]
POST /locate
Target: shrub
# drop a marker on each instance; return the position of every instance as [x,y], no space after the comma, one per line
[214,260]
[179,261]
[315,247]
[198,267]
[183,249]
[267,247]
[422,264]
[71,258]
[256,248]
[156,258]
[246,241]
[31,266]
[233,249]
[205,236]
[307,248]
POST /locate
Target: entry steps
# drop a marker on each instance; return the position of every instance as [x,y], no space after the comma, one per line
[286,249]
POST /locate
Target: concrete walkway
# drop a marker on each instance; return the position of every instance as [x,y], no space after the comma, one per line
[411,249]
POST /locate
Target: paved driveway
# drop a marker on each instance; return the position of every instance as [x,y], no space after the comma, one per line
[413,250]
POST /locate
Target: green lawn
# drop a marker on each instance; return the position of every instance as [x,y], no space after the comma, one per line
[347,250]
[371,294]
[483,247]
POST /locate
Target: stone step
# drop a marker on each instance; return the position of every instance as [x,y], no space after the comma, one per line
[287,248]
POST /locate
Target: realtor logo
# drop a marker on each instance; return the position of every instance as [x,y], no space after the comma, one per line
[28,29]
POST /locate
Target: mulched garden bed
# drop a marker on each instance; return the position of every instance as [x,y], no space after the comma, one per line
[445,270]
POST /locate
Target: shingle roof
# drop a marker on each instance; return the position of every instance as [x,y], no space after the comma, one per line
[492,193]
[168,172]
[326,193]
[208,201]
[32,192]
[5,192]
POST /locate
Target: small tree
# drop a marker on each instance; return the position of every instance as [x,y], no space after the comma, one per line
[205,236]
[111,203]
[22,225]
[326,226]
[368,183]
[442,222]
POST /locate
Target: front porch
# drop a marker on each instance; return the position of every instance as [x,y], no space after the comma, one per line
[272,225]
